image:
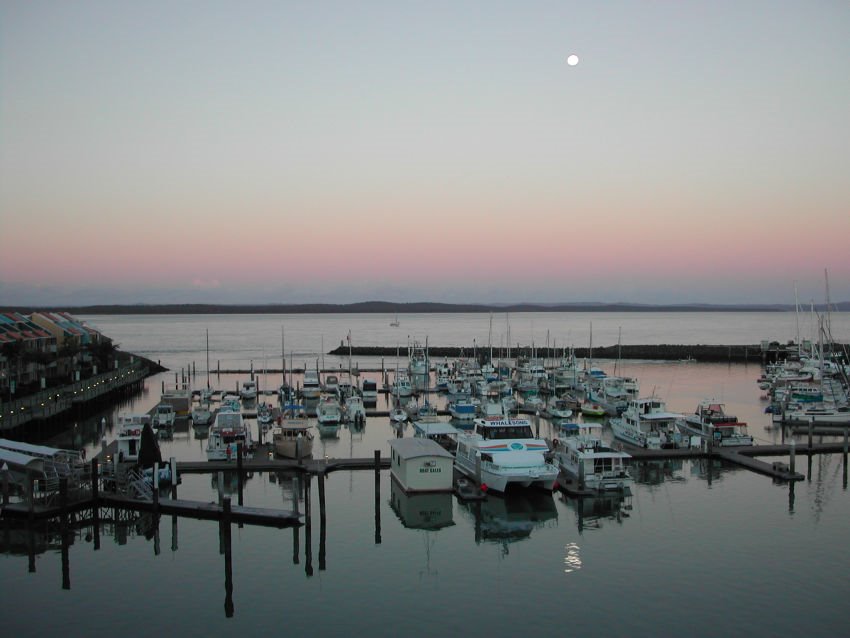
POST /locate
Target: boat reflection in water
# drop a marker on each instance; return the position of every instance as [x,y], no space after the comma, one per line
[512,516]
[593,511]
[229,483]
[424,510]
[656,472]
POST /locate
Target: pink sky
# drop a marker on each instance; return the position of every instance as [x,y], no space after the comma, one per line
[455,163]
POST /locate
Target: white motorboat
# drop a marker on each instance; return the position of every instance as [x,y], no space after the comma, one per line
[398,415]
[822,413]
[710,422]
[500,452]
[646,423]
[227,432]
[163,419]
[291,437]
[248,392]
[328,411]
[354,410]
[464,409]
[202,413]
[331,384]
[369,391]
[402,387]
[129,437]
[265,416]
[311,388]
[583,456]
[611,394]
[558,408]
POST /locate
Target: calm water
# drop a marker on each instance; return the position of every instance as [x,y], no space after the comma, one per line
[696,549]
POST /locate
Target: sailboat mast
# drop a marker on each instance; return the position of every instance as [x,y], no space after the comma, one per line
[208,358]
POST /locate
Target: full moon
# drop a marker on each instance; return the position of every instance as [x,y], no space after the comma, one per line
[572,60]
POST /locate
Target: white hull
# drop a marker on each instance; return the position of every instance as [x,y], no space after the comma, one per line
[500,482]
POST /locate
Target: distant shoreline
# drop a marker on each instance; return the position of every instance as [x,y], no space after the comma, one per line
[385,307]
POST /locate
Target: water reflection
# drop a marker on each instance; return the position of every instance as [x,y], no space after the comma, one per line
[593,511]
[431,511]
[657,472]
[510,517]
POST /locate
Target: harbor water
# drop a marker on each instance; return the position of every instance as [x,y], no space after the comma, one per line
[699,548]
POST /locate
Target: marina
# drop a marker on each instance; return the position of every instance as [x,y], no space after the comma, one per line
[347,505]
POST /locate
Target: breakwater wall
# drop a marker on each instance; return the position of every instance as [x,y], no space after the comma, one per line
[663,352]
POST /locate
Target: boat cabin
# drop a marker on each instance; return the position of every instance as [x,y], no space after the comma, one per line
[421,465]
[495,429]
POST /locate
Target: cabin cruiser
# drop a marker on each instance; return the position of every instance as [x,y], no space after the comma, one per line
[710,422]
[129,437]
[583,456]
[311,388]
[291,437]
[646,423]
[227,432]
[248,391]
[163,419]
[500,452]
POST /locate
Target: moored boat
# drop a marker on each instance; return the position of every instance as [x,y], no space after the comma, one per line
[226,434]
[711,423]
[502,452]
[291,436]
[583,456]
[646,423]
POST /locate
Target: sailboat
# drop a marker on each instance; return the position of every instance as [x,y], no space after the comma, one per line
[394,323]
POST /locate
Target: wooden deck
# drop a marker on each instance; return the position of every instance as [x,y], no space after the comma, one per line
[206,511]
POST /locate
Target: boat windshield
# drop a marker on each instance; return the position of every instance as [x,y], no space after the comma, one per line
[508,432]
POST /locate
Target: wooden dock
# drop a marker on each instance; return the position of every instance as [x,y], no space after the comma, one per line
[205,511]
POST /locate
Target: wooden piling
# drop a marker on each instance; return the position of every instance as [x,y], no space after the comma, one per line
[173,468]
[228,559]
[308,534]
[156,488]
[377,497]
[95,483]
[322,521]
[239,451]
[792,456]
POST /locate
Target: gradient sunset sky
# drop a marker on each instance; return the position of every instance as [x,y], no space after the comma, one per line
[159,152]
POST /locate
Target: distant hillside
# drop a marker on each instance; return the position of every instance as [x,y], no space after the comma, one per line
[387,307]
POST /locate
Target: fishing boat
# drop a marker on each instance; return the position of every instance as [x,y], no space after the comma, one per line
[228,431]
[402,387]
[646,423]
[710,422]
[502,452]
[583,456]
[291,437]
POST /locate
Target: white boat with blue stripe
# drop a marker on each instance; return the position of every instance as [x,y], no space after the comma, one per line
[502,452]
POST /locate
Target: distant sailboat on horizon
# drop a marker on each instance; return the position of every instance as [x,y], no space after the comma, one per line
[394,323]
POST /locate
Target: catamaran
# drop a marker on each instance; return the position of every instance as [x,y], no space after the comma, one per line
[500,452]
